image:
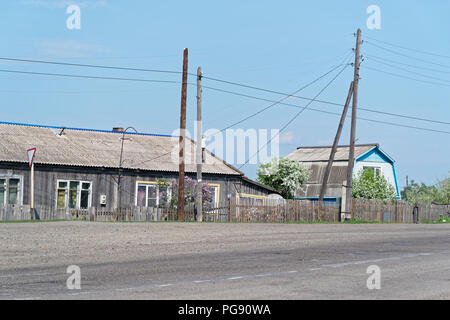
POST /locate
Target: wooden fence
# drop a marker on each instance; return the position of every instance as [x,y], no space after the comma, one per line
[255,210]
[243,210]
[398,211]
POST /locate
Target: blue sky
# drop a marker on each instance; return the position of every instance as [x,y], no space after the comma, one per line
[279,45]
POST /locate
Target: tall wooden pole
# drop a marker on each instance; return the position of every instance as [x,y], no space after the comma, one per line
[351,157]
[326,176]
[199,156]
[180,209]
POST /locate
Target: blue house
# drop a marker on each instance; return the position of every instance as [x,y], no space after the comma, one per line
[367,156]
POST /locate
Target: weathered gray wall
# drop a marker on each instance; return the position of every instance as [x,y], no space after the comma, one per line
[103,182]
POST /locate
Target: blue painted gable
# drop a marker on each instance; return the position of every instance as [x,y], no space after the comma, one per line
[375,155]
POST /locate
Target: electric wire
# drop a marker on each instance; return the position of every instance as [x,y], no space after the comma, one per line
[410,49]
[406,56]
[296,115]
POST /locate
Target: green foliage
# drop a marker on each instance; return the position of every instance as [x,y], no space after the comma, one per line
[366,185]
[360,221]
[443,219]
[284,175]
[438,193]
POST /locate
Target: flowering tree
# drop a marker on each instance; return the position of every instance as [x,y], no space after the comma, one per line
[284,175]
[369,186]
[190,186]
[438,193]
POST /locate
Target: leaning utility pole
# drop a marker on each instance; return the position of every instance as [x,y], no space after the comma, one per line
[323,190]
[351,157]
[180,208]
[199,156]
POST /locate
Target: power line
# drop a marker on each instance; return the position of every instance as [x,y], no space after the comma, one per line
[382,122]
[228,91]
[409,71]
[406,77]
[281,100]
[407,56]
[410,49]
[211,88]
[259,88]
[296,115]
[86,76]
[329,103]
[162,81]
[407,64]
[88,65]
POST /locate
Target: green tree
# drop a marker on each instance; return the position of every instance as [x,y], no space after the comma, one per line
[438,193]
[284,175]
[369,186]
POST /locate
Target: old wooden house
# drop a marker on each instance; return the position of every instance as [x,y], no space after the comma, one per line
[82,168]
[367,156]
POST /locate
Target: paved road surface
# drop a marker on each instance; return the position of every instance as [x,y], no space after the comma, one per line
[223,261]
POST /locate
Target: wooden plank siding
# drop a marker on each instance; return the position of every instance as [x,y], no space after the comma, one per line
[104,183]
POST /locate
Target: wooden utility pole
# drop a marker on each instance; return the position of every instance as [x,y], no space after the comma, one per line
[351,157]
[199,156]
[323,190]
[180,208]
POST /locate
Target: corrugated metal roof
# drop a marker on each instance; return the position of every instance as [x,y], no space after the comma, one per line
[312,154]
[100,148]
[316,159]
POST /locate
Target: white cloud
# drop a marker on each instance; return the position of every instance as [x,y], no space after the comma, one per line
[69,49]
[288,137]
[52,4]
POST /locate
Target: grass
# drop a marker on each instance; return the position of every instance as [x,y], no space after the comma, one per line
[442,220]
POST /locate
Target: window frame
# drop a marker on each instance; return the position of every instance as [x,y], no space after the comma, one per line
[67,191]
[252,196]
[154,184]
[375,169]
[216,187]
[20,187]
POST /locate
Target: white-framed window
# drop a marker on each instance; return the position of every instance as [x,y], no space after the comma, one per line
[216,194]
[152,194]
[73,194]
[375,170]
[11,190]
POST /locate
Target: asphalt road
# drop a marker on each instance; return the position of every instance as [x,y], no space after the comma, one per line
[223,261]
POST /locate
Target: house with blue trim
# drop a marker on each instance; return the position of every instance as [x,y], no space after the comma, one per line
[367,156]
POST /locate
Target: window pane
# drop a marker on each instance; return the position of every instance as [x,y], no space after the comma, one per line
[151,196]
[151,202]
[141,196]
[84,200]
[163,196]
[61,198]
[86,186]
[2,191]
[62,185]
[13,192]
[73,194]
